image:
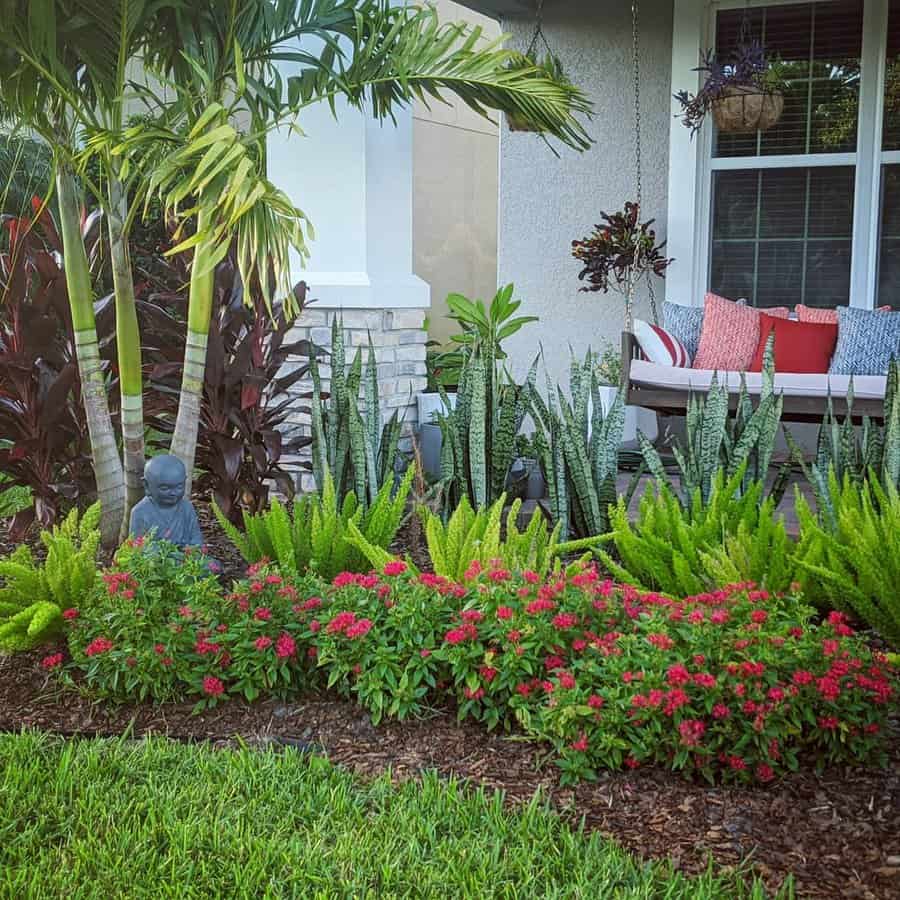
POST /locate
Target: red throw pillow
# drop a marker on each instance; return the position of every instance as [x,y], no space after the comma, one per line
[802,347]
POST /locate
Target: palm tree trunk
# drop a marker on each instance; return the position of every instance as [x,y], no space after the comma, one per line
[128,341]
[107,465]
[187,423]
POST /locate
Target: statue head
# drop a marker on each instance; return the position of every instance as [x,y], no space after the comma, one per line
[164,480]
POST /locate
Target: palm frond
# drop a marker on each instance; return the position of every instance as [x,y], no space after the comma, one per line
[401,54]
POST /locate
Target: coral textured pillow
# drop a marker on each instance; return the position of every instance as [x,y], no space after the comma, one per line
[814,314]
[730,334]
[803,347]
[829,316]
[659,346]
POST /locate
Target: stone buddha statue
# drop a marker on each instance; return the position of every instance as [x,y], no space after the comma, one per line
[165,511]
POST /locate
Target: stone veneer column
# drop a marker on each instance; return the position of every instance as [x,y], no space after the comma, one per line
[399,340]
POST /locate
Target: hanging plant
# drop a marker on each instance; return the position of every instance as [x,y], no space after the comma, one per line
[619,254]
[548,66]
[744,93]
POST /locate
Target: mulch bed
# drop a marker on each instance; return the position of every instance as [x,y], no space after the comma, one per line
[838,833]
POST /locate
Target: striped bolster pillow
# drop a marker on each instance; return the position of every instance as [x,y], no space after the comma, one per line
[660,346]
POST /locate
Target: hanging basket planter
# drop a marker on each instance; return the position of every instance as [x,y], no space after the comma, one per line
[743,109]
[516,123]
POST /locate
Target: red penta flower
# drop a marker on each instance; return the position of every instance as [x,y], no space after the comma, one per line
[69,614]
[263,643]
[581,745]
[98,645]
[562,621]
[359,629]
[53,661]
[595,701]
[504,612]
[285,646]
[691,731]
[213,686]
[395,567]
[764,772]
[263,613]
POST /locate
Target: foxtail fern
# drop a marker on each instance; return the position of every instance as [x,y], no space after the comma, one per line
[730,537]
[315,536]
[33,595]
[853,563]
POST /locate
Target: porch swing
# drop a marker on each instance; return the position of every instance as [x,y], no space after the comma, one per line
[668,389]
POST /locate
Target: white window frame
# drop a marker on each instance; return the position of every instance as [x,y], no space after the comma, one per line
[691,163]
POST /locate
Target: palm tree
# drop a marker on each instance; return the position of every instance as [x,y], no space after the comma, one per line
[201,145]
[219,59]
[41,90]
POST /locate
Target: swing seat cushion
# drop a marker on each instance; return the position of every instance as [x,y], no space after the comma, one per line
[652,375]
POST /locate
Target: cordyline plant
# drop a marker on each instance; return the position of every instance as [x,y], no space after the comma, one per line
[620,254]
[747,66]
[63,75]
[43,440]
[242,442]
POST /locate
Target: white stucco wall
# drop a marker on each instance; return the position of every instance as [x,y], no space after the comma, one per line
[547,202]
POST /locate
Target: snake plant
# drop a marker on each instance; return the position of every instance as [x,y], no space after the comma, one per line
[578,448]
[353,447]
[857,454]
[715,440]
[479,436]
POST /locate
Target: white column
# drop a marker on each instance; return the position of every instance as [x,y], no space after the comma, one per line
[353,178]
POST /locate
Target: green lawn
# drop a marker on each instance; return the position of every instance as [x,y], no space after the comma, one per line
[155,819]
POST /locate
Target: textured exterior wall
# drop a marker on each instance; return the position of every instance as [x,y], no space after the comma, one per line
[455,190]
[547,202]
[399,341]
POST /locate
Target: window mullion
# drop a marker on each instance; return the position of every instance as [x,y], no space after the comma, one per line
[864,267]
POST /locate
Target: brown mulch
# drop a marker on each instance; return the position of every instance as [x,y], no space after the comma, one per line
[838,833]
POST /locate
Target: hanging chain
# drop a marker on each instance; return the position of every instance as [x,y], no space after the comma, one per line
[636,59]
[538,32]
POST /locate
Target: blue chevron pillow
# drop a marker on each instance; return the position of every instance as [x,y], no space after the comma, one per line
[684,323]
[867,341]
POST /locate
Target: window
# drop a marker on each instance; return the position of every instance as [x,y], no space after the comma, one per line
[782,210]
[809,211]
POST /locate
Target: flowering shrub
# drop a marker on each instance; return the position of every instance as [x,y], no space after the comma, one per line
[135,637]
[735,683]
[163,630]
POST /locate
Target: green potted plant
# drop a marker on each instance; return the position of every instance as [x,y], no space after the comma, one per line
[608,368]
[484,327]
